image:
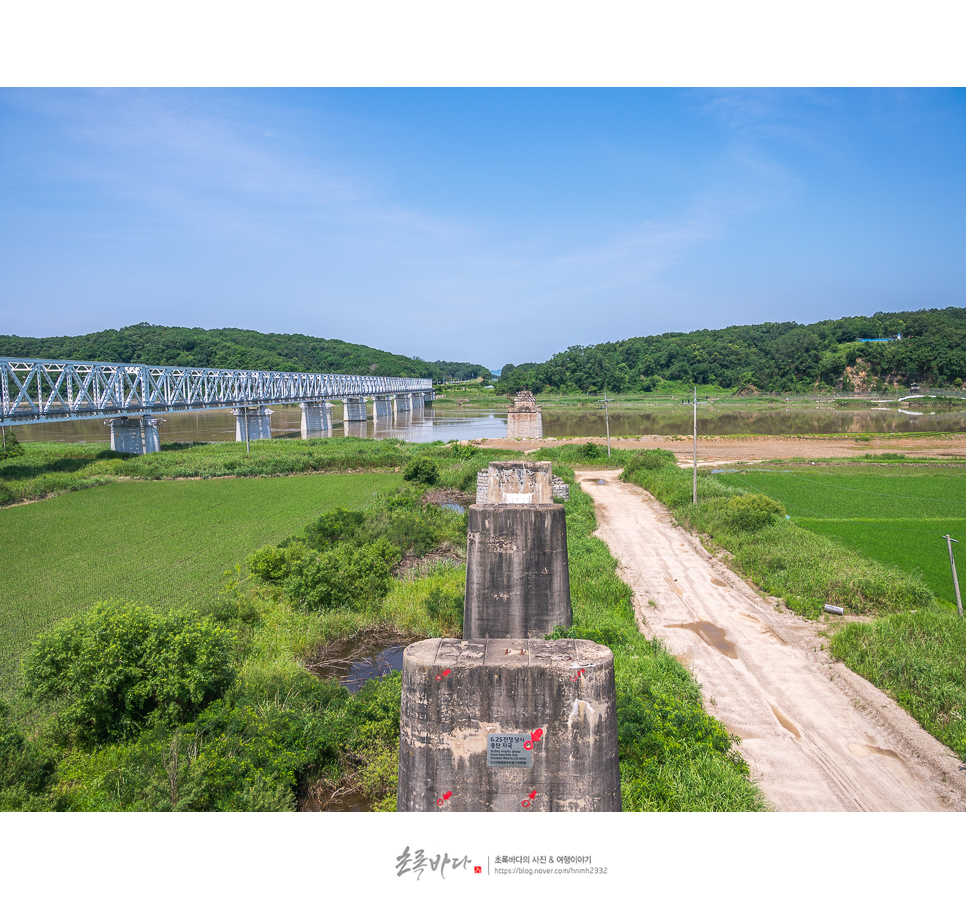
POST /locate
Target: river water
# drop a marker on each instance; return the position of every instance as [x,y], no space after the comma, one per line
[437,424]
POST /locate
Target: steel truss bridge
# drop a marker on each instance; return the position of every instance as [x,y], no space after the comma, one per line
[33,391]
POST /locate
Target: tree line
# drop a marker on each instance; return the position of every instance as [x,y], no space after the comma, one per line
[924,347]
[234,349]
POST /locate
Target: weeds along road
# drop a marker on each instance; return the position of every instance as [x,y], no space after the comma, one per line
[816,736]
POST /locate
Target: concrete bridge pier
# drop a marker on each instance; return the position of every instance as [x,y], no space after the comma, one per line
[381,408]
[517,573]
[403,403]
[508,725]
[428,398]
[137,434]
[316,419]
[253,423]
[355,409]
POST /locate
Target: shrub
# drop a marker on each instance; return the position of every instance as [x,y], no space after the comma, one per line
[648,460]
[421,470]
[347,576]
[10,446]
[119,668]
[333,527]
[752,512]
[273,563]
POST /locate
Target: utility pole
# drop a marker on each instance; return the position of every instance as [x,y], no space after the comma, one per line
[248,443]
[952,564]
[694,475]
[605,400]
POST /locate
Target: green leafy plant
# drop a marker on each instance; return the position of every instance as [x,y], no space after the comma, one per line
[421,470]
[119,668]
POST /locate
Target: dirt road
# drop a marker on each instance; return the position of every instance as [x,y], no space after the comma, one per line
[816,736]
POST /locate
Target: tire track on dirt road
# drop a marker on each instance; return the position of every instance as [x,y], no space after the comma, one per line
[816,736]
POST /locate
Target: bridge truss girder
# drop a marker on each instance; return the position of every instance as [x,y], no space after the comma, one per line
[33,391]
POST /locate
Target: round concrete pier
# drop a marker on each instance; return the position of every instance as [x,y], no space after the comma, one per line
[509,725]
[517,575]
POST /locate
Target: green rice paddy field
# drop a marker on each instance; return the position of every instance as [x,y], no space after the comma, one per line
[167,543]
[896,515]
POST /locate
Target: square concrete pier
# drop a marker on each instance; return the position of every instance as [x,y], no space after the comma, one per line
[508,725]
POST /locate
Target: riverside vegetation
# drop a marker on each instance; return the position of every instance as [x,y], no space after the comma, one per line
[213,706]
[914,647]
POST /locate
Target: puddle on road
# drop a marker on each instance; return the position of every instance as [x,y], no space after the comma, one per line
[786,723]
[713,635]
[673,586]
[719,583]
[863,750]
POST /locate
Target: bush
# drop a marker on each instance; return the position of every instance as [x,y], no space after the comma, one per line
[273,563]
[333,527]
[648,460]
[10,446]
[750,513]
[119,668]
[347,576]
[422,470]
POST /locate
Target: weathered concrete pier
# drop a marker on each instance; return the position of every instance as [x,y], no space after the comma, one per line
[524,418]
[517,572]
[509,725]
[504,719]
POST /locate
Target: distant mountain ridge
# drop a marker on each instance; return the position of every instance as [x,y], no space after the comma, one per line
[775,357]
[235,349]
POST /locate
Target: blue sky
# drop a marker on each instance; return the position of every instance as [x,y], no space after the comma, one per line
[489,225]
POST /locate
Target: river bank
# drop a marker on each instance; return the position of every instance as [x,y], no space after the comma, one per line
[738,448]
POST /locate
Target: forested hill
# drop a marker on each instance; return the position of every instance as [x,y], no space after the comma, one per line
[782,357]
[236,349]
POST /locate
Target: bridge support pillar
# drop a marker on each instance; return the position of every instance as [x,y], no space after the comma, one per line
[355,409]
[403,404]
[508,725]
[316,419]
[381,407]
[253,424]
[136,434]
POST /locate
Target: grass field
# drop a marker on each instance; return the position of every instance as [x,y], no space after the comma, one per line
[896,515]
[165,544]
